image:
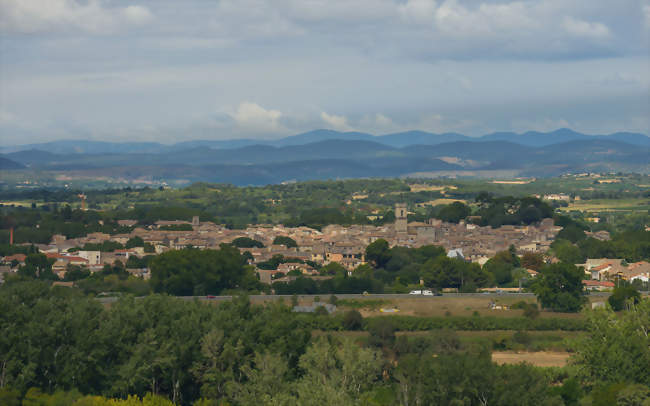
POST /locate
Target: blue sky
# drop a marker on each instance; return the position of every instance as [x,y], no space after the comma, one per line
[168,70]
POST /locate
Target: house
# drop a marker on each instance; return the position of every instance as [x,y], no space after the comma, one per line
[93,257]
[456,253]
[531,273]
[594,285]
[20,258]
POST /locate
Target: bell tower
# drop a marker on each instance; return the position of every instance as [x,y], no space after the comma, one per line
[400,218]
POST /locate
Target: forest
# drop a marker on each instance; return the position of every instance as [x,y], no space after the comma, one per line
[58,345]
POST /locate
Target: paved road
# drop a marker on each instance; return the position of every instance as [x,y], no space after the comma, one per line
[325,296]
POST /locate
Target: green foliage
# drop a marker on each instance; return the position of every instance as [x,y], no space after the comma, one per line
[377,252]
[509,210]
[617,348]
[382,332]
[245,242]
[286,241]
[191,272]
[559,287]
[134,242]
[453,213]
[352,320]
[624,297]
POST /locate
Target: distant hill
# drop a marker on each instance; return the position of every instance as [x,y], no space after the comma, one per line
[538,139]
[396,140]
[7,164]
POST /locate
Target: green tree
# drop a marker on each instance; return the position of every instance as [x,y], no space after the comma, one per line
[286,241]
[352,320]
[559,287]
[134,242]
[453,213]
[616,348]
[378,252]
[245,242]
[624,297]
[190,272]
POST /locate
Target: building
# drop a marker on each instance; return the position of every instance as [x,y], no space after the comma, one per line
[401,222]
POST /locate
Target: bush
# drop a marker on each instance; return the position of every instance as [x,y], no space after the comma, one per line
[352,320]
[624,296]
[321,311]
[522,337]
[531,312]
[382,333]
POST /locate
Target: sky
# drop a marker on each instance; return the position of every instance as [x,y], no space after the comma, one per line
[169,70]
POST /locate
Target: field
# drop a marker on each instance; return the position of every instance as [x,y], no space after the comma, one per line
[538,358]
[604,205]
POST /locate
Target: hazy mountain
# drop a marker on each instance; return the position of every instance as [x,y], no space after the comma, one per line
[398,140]
[562,135]
[407,138]
[8,164]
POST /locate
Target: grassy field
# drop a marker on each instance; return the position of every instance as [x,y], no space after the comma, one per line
[601,205]
[436,306]
[536,358]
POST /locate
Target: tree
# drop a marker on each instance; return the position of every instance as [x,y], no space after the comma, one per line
[286,241]
[245,242]
[382,333]
[134,242]
[532,260]
[453,213]
[378,252]
[623,297]
[617,347]
[559,287]
[352,320]
[567,252]
[191,272]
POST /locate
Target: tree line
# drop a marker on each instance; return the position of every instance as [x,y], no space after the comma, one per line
[58,344]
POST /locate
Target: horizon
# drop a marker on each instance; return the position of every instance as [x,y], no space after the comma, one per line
[282,137]
[158,71]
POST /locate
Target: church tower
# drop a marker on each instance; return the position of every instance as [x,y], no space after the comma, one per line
[400,218]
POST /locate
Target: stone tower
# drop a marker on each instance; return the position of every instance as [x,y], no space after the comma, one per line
[400,218]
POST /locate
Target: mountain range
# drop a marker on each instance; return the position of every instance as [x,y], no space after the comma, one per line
[326,154]
[398,140]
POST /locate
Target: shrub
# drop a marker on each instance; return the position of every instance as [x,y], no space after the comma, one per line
[623,296]
[531,312]
[352,320]
[382,333]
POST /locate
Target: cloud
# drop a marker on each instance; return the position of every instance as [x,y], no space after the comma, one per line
[586,29]
[335,122]
[419,11]
[34,16]
[646,14]
[253,117]
[137,14]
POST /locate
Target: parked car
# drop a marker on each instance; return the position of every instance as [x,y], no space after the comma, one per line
[427,293]
[415,292]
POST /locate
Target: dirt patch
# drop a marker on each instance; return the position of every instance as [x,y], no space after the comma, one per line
[539,359]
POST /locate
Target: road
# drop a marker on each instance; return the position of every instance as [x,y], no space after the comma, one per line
[325,296]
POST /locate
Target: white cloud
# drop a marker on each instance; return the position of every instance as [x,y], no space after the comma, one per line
[33,16]
[585,29]
[137,14]
[335,122]
[419,11]
[253,117]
